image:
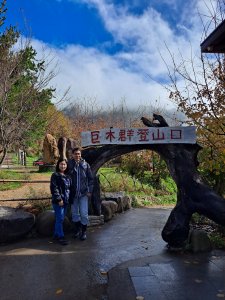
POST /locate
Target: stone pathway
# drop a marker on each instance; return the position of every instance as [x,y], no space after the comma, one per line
[170,276]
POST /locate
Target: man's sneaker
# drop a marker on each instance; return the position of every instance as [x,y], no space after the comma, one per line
[83,236]
[63,242]
[76,235]
[77,230]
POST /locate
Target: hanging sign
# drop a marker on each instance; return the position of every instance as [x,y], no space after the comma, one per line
[133,136]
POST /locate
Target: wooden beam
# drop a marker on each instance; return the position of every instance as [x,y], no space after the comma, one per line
[215,42]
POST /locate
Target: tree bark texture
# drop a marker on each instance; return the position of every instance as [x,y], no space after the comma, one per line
[3,153]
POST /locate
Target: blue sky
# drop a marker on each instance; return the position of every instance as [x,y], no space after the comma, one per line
[110,50]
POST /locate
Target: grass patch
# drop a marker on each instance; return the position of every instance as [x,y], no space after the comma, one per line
[114,180]
[10,174]
[148,201]
[29,159]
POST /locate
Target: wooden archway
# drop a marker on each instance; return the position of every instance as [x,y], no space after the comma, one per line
[193,195]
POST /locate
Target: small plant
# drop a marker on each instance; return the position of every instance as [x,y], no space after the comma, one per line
[146,202]
[40,205]
[169,185]
[217,240]
[199,219]
[134,201]
[215,232]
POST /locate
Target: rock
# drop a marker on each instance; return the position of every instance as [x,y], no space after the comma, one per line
[107,212]
[123,201]
[112,204]
[113,196]
[109,208]
[50,150]
[14,223]
[46,222]
[95,220]
[199,241]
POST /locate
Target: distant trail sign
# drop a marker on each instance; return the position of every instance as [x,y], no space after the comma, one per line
[133,136]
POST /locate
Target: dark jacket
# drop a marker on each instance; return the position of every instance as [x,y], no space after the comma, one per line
[60,186]
[82,178]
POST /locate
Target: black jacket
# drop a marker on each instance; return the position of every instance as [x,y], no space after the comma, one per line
[82,178]
[60,187]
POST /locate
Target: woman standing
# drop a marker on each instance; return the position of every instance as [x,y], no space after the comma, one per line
[60,190]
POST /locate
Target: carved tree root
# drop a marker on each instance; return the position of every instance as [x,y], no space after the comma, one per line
[193,194]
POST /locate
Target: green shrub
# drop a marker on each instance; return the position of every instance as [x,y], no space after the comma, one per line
[217,240]
[134,201]
[114,180]
[169,185]
[40,205]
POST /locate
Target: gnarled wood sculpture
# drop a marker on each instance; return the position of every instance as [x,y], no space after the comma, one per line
[70,144]
[62,147]
[193,194]
[65,146]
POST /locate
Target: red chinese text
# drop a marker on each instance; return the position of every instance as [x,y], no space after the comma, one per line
[158,136]
[95,137]
[143,135]
[110,135]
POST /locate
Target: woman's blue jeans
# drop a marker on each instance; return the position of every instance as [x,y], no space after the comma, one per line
[60,212]
[79,210]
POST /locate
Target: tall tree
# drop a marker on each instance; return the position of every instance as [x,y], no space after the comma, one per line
[24,96]
[58,124]
[201,96]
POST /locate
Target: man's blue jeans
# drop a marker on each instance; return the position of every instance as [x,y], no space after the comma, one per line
[79,210]
[60,212]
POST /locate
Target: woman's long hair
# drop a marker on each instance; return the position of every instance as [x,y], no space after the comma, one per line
[57,165]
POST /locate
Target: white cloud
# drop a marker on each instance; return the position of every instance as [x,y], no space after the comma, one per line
[145,38]
[148,33]
[93,74]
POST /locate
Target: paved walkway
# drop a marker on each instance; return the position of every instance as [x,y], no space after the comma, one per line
[171,276]
[122,259]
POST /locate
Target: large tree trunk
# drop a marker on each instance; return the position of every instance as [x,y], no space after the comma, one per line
[3,155]
[193,194]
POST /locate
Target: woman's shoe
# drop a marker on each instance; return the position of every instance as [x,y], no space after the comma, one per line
[63,242]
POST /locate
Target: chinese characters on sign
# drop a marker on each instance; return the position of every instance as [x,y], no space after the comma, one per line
[131,136]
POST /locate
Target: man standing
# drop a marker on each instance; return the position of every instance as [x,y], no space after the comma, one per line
[82,186]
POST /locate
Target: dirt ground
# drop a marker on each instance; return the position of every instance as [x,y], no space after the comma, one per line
[35,190]
[27,190]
